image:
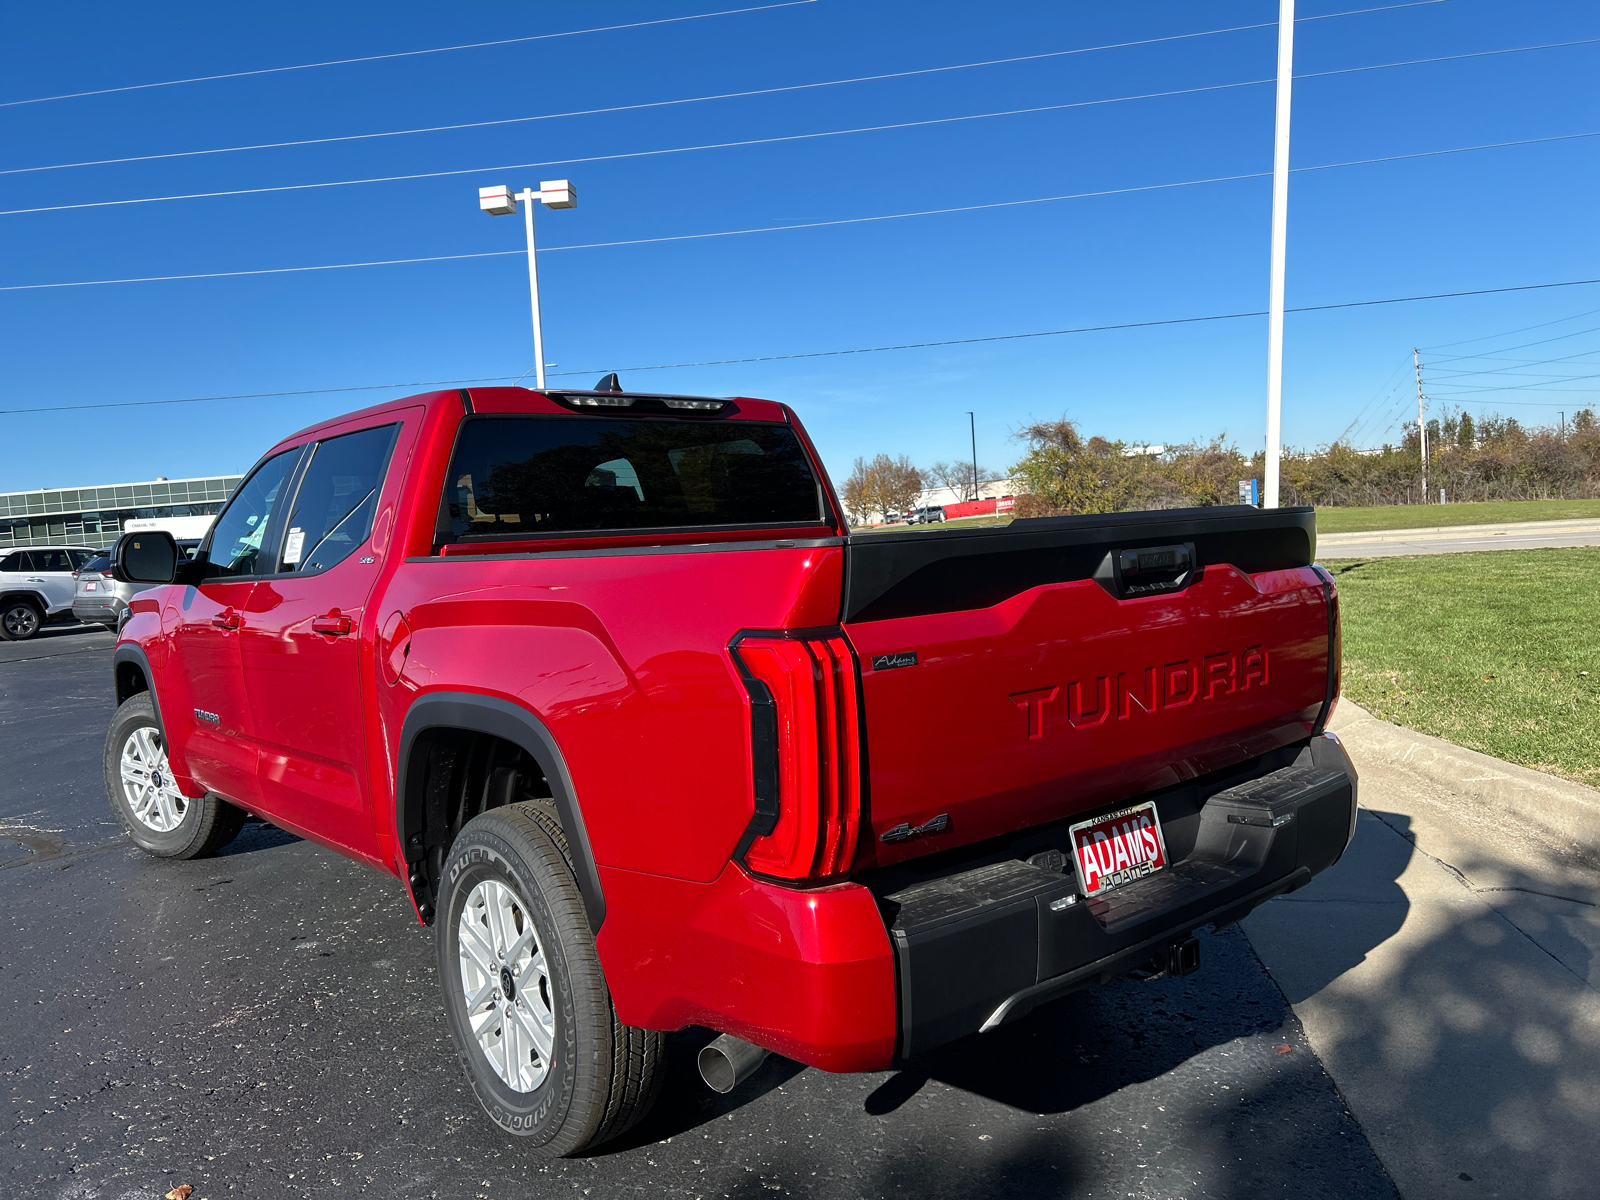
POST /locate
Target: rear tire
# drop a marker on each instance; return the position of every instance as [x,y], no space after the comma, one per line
[160,819]
[539,1037]
[20,619]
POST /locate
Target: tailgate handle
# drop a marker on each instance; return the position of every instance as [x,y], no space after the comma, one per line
[1147,570]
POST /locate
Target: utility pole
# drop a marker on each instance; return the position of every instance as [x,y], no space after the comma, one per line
[972,424]
[1280,237]
[1422,424]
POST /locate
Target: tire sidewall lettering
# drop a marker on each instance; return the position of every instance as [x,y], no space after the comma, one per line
[487,856]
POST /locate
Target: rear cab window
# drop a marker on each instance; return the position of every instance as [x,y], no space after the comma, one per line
[529,476]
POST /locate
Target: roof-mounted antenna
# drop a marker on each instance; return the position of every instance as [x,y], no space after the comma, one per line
[609,384]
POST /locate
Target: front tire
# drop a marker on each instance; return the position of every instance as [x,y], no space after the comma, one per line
[527,1001]
[20,620]
[159,818]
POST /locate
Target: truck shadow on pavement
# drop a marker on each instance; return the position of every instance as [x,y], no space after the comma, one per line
[258,835]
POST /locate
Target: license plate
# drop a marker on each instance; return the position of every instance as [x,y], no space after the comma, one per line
[1118,848]
[88,587]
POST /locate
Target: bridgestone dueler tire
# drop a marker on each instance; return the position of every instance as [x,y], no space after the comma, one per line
[208,824]
[603,1076]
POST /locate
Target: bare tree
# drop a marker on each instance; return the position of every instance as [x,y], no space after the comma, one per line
[958,478]
[885,486]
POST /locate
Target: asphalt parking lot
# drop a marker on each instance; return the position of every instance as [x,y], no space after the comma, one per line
[267,1023]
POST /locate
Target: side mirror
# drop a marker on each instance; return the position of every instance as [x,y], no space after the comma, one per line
[146,557]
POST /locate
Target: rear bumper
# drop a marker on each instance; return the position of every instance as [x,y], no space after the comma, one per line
[978,948]
[98,611]
[852,978]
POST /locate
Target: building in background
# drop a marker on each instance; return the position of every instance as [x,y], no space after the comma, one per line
[94,516]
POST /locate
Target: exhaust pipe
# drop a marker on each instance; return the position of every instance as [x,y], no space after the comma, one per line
[727,1062]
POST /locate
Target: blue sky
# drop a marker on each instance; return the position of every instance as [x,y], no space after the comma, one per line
[1492,218]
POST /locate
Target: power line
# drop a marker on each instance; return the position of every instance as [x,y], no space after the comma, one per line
[341,62]
[969,341]
[1561,337]
[1469,388]
[594,158]
[766,141]
[689,237]
[1489,337]
[1514,369]
[620,108]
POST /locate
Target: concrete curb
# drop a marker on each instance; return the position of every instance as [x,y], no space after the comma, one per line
[1563,811]
[1360,537]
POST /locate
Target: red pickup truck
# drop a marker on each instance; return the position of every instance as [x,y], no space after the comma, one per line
[654,741]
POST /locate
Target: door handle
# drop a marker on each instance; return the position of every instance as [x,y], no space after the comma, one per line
[226,619]
[334,623]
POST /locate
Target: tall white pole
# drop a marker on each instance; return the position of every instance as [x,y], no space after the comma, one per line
[1280,233]
[529,198]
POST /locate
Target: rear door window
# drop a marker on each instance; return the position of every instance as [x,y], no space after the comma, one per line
[51,561]
[337,499]
[525,476]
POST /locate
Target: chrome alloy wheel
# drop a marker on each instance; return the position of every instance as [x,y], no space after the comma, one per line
[147,782]
[506,985]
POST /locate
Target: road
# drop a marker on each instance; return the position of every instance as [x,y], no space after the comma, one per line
[266,1023]
[1457,539]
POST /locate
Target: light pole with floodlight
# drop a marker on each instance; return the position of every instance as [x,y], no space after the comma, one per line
[499,202]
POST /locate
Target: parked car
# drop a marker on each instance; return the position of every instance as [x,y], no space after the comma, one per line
[602,679]
[36,588]
[100,599]
[925,515]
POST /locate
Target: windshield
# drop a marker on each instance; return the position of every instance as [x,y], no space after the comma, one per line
[535,475]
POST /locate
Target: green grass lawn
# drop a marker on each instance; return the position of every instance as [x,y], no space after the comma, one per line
[1419,516]
[1498,651]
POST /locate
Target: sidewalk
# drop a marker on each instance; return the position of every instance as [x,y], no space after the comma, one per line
[1447,970]
[1454,539]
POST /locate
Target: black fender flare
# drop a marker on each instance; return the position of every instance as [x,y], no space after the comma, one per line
[35,598]
[128,652]
[513,723]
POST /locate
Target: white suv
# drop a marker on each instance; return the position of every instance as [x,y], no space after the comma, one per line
[36,586]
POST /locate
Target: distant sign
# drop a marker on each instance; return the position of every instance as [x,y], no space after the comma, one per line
[1249,493]
[1007,503]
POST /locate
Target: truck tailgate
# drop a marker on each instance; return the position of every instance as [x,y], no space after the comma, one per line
[1013,677]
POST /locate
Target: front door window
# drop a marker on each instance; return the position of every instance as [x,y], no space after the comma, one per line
[236,539]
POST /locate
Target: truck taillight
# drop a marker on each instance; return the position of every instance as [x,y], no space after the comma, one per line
[1335,648]
[806,749]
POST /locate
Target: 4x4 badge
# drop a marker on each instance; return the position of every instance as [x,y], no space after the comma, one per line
[905,831]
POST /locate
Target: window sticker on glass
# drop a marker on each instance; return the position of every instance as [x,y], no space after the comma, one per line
[295,546]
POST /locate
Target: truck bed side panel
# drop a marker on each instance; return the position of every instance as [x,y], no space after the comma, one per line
[624,657]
